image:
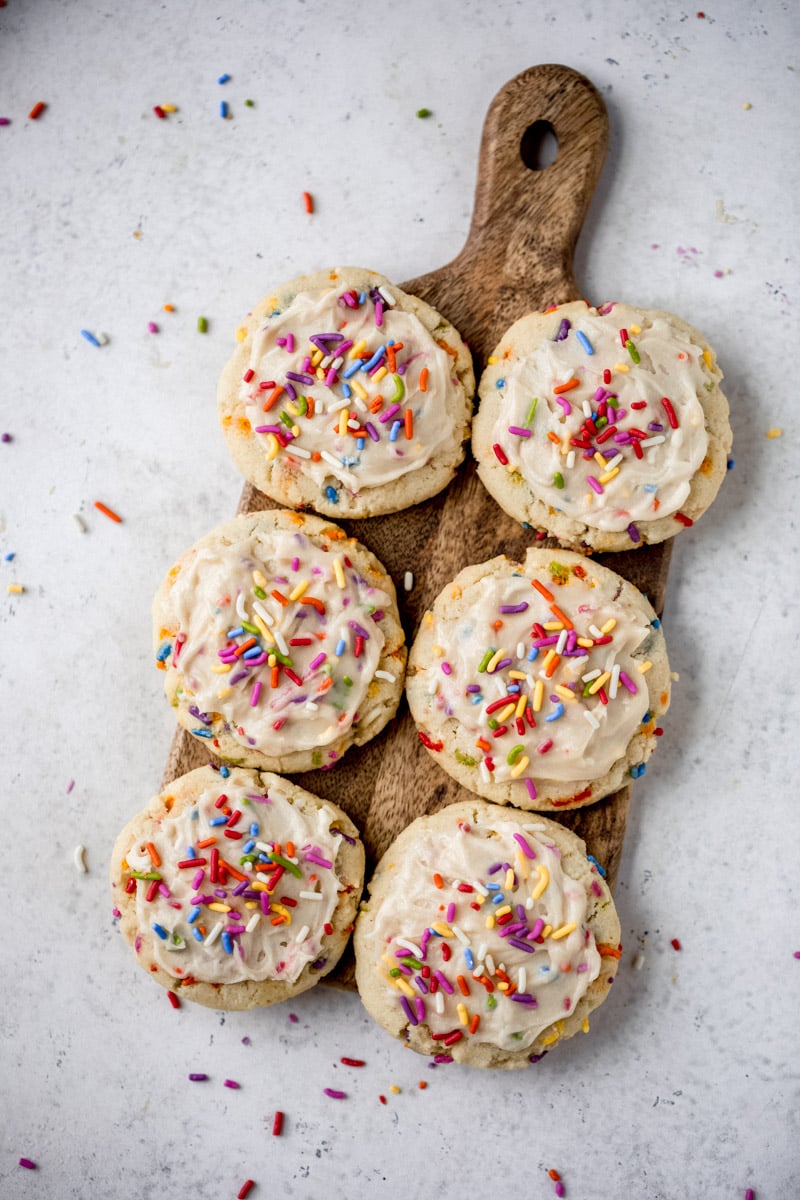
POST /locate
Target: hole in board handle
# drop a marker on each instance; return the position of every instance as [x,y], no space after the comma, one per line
[539,146]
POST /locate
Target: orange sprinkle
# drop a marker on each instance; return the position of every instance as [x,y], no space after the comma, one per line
[423,1083]
[554,438]
[309,406]
[274,677]
[551,669]
[542,590]
[290,849]
[240,649]
[437,879]
[565,387]
[448,349]
[169,308]
[391,356]
[107,512]
[482,744]
[233,870]
[272,398]
[423,379]
[409,423]
[554,1175]
[462,985]
[279,596]
[155,858]
[326,683]
[37,110]
[209,841]
[316,456]
[314,602]
[375,403]
[607,951]
[474,1023]
[556,611]
[308,202]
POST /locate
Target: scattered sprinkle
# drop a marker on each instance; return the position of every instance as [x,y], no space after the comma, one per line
[749,1194]
[675,944]
[223,109]
[308,202]
[70,786]
[6,437]
[231,1083]
[5,120]
[159,111]
[408,580]
[747,105]
[79,858]
[245,1189]
[224,78]
[79,521]
[90,338]
[334,1094]
[15,589]
[249,103]
[37,110]
[202,325]
[424,112]
[775,432]
[152,327]
[423,1083]
[198,1077]
[277,1124]
[173,999]
[107,512]
[353,1062]
[28,1164]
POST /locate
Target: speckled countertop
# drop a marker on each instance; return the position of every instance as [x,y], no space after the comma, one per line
[688,1083]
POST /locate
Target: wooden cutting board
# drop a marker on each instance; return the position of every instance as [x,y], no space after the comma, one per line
[517,259]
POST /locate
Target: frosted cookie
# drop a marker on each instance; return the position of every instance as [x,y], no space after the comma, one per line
[239,892]
[606,427]
[346,395]
[487,936]
[539,684]
[280,641]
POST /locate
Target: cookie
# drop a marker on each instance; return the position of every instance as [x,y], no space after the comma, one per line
[606,427]
[280,642]
[539,684]
[237,892]
[347,396]
[487,936]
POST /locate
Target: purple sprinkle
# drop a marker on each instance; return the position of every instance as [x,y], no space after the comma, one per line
[514,608]
[293,1017]
[318,860]
[198,1076]
[407,1009]
[633,533]
[349,300]
[525,998]
[537,929]
[28,1164]
[379,313]
[307,380]
[387,416]
[359,630]
[559,1188]
[231,1083]
[520,945]
[334,1095]
[290,391]
[419,1005]
[534,1058]
[421,984]
[501,666]
[444,982]
[563,330]
[524,845]
[372,431]
[519,432]
[529,784]
[239,675]
[628,683]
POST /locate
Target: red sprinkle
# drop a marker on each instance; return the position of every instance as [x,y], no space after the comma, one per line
[37,110]
[675,944]
[684,520]
[277,1123]
[382,1099]
[173,999]
[158,110]
[353,1062]
[554,1175]
[308,202]
[248,375]
[500,454]
[244,1190]
[428,743]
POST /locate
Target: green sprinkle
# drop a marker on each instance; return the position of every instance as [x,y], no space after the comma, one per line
[287,420]
[514,754]
[250,628]
[302,406]
[399,389]
[408,961]
[531,412]
[260,593]
[494,723]
[634,353]
[202,325]
[316,758]
[249,104]
[283,659]
[394,972]
[347,681]
[559,572]
[491,1002]
[424,112]
[466,760]
[558,479]
[287,866]
[145,875]
[487,658]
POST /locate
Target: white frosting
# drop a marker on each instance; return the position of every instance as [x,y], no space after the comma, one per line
[646,488]
[178,921]
[556,972]
[369,457]
[218,588]
[580,747]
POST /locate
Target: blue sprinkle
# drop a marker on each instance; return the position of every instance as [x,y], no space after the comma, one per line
[332,494]
[637,771]
[513,687]
[254,829]
[341,646]
[10,556]
[731,463]
[362,297]
[592,859]
[160,930]
[376,358]
[353,368]
[347,390]
[224,772]
[478,699]
[163,651]
[223,108]
[498,899]
[501,383]
[584,341]
[394,430]
[360,443]
[190,850]
[197,935]
[493,887]
[559,712]
[234,633]
[648,716]
[206,733]
[655,623]
[248,846]
[253,652]
[193,914]
[224,78]
[91,339]
[533,653]
[218,821]
[469,958]
[650,487]
[227,942]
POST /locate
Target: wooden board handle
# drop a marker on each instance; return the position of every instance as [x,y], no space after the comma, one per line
[518,256]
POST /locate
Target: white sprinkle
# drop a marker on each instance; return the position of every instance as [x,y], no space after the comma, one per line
[241,611]
[320,408]
[329,458]
[433,687]
[591,718]
[482,951]
[520,649]
[637,962]
[521,980]
[215,932]
[311,706]
[412,946]
[298,450]
[388,297]
[353,423]
[462,937]
[310,895]
[614,682]
[651,441]
[265,846]
[486,774]
[614,462]
[590,675]
[280,641]
[490,967]
[587,408]
[251,924]
[79,858]
[266,617]
[337,362]
[102,339]
[302,935]
[408,580]
[338,405]
[79,521]
[570,460]
[537,828]
[385,675]
[595,632]
[562,641]
[439,1002]
[247,866]
[479,888]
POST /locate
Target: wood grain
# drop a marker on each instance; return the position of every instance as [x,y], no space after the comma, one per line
[518,257]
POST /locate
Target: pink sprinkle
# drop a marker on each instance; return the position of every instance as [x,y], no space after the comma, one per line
[559,1188]
[334,1095]
[317,662]
[28,1164]
[448,670]
[256,692]
[796,954]
[565,404]
[749,1194]
[293,1017]
[290,343]
[153,328]
[531,786]
[70,786]
[231,1083]
[5,120]
[594,484]
[524,846]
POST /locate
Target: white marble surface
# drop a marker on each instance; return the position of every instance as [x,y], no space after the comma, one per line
[688,1083]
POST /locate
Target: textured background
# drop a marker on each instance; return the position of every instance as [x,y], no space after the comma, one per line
[688,1083]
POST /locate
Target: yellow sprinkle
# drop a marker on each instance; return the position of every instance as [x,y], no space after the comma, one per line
[358,389]
[601,681]
[258,886]
[437,650]
[292,409]
[463,1015]
[519,767]
[635,328]
[344,417]
[503,986]
[301,587]
[356,351]
[273,447]
[296,431]
[494,660]
[492,359]
[609,475]
[523,870]
[564,692]
[338,571]
[272,661]
[585,1025]
[320,373]
[259,580]
[220,668]
[746,106]
[522,704]
[15,589]
[501,912]
[241,333]
[548,1041]
[538,694]
[281,909]
[489,922]
[317,357]
[586,643]
[553,626]
[395,1089]
[708,359]
[548,929]
[400,983]
[544,879]
[774,433]
[379,374]
[563,931]
[218,906]
[265,631]
[644,667]
[168,108]
[517,675]
[504,713]
[622,367]
[443,929]
[609,625]
[223,693]
[599,459]
[548,659]
[509,883]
